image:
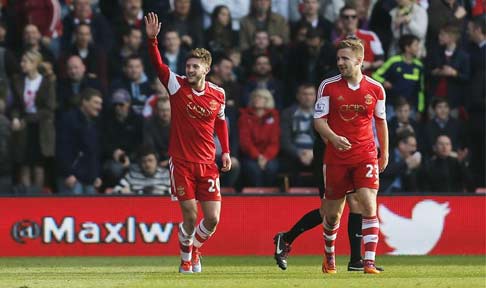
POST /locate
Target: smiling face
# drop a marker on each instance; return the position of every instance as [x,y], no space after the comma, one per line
[196,70]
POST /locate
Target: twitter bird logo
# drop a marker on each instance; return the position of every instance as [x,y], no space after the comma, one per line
[417,235]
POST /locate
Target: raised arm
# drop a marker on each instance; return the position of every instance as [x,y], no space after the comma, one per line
[152,28]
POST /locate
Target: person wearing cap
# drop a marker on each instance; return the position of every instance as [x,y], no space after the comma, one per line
[122,133]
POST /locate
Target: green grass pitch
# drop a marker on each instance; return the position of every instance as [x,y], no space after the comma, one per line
[247,271]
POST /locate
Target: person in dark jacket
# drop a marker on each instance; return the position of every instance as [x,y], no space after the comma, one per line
[78,147]
[444,173]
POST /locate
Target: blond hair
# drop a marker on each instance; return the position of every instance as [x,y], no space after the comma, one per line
[265,94]
[354,44]
[201,53]
[33,56]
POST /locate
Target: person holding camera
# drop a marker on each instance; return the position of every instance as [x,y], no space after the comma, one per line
[146,176]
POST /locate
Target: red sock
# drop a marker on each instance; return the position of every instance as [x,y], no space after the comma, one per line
[370,230]
[202,234]
[185,244]
[330,234]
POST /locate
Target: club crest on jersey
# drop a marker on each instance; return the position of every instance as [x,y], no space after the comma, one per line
[213,105]
[196,111]
[180,190]
[368,99]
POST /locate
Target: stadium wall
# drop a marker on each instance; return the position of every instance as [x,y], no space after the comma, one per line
[116,226]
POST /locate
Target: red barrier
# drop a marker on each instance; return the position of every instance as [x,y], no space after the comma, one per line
[148,226]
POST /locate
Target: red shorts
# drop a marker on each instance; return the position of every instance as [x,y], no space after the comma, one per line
[194,180]
[343,179]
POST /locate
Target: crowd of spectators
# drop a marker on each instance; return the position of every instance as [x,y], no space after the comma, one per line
[82,111]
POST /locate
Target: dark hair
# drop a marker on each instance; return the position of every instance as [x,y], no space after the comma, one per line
[452,28]
[439,100]
[127,31]
[406,40]
[88,93]
[130,58]
[214,15]
[348,6]
[146,150]
[255,59]
[403,136]
[480,22]
[219,58]
[313,33]
[400,102]
[305,85]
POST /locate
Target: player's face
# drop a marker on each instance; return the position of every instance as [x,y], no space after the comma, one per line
[195,70]
[443,146]
[347,62]
[149,164]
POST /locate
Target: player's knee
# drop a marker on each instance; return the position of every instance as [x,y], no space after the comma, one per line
[211,222]
[332,219]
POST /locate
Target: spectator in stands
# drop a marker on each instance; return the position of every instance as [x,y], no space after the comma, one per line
[135,82]
[311,18]
[174,54]
[221,75]
[443,172]
[78,146]
[408,17]
[441,13]
[403,75]
[238,9]
[476,102]
[9,67]
[33,120]
[6,186]
[312,61]
[188,24]
[260,139]
[330,9]
[380,22]
[159,92]
[402,121]
[449,68]
[262,78]
[93,56]
[261,45]
[261,17]
[145,177]
[69,89]
[156,131]
[297,133]
[83,13]
[122,134]
[443,124]
[45,15]
[220,36]
[373,51]
[402,172]
[32,41]
[131,16]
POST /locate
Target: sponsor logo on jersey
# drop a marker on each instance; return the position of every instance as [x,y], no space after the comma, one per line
[349,112]
[196,111]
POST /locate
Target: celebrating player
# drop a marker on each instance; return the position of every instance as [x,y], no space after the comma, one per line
[197,111]
[343,116]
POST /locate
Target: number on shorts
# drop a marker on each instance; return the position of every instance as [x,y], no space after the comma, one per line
[370,173]
[213,185]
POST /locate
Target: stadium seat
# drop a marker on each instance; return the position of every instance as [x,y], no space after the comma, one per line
[260,190]
[303,190]
[227,190]
[481,190]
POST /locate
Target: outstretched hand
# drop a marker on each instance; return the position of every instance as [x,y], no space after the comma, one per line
[152,25]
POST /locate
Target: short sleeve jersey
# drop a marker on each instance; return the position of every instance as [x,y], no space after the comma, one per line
[349,111]
[193,114]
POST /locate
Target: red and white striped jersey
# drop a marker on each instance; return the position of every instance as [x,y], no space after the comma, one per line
[193,113]
[349,111]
